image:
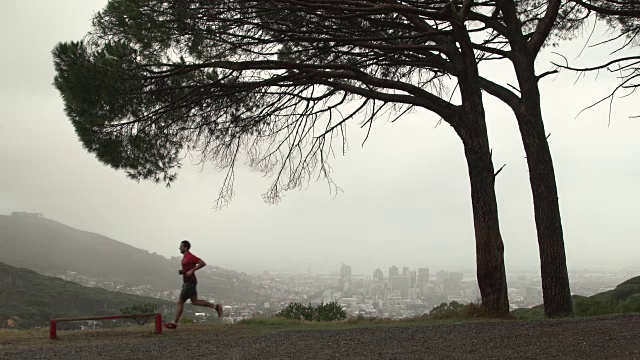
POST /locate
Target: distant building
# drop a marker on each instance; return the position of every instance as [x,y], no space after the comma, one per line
[345,277]
[423,277]
[345,272]
[413,294]
[402,284]
[452,284]
[378,276]
[405,271]
[393,271]
[413,278]
[456,276]
[441,275]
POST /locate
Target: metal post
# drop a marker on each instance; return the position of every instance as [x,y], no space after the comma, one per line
[52,330]
[159,324]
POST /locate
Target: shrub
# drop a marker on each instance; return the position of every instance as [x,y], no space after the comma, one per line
[297,311]
[455,310]
[323,312]
[329,312]
[632,304]
[139,309]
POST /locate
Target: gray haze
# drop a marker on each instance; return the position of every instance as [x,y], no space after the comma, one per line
[406,193]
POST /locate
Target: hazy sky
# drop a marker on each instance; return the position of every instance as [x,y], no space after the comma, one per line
[406,193]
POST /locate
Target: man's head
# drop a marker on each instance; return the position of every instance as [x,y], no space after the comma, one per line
[184,246]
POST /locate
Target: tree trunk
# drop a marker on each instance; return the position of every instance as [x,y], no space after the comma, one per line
[472,129]
[489,246]
[553,263]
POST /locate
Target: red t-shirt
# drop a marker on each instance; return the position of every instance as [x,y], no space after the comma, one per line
[189,261]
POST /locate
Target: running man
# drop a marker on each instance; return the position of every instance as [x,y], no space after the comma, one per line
[190,263]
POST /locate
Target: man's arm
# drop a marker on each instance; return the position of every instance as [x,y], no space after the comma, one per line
[199,265]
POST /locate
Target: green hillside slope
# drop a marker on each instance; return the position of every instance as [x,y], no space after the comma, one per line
[30,299]
[625,298]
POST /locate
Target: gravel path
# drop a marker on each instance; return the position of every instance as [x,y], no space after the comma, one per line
[612,337]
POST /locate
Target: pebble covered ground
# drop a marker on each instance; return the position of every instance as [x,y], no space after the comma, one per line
[611,337]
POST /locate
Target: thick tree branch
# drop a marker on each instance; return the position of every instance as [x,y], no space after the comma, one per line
[500,92]
[466,7]
[541,34]
[490,22]
[432,103]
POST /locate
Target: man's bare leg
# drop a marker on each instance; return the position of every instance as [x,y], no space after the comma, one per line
[205,303]
[179,309]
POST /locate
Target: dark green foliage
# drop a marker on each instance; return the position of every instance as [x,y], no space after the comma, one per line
[99,89]
[620,293]
[323,312]
[623,15]
[156,79]
[584,306]
[631,304]
[329,312]
[34,315]
[623,299]
[444,308]
[631,282]
[146,308]
[455,310]
[623,291]
[534,313]
[297,311]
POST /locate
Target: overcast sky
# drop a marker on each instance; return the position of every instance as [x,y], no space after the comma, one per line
[405,197]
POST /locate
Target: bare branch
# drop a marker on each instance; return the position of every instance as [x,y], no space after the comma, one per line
[546,73]
[499,170]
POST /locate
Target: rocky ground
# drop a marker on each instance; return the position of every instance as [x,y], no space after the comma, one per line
[612,337]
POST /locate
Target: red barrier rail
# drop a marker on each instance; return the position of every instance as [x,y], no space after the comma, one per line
[53,323]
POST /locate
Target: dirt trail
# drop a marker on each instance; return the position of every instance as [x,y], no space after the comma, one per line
[613,337]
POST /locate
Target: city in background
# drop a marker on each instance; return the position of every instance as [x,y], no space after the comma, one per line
[397,293]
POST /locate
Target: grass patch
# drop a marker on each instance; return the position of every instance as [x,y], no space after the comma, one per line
[15,334]
[452,313]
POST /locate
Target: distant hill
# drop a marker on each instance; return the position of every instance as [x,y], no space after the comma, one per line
[625,298]
[48,247]
[621,292]
[29,299]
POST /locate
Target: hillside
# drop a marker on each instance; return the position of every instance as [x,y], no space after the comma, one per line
[29,299]
[48,247]
[625,298]
[622,292]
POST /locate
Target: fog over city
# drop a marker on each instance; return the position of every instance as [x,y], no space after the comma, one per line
[404,196]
